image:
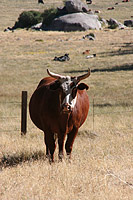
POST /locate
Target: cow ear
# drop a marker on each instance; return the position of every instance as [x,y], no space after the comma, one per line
[82,86]
[55,85]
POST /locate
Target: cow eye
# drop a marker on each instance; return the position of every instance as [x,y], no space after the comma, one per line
[55,85]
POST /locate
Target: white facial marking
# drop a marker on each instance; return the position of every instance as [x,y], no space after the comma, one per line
[65,83]
[66,86]
[69,100]
[73,102]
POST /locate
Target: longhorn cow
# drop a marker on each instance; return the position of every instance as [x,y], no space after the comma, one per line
[59,106]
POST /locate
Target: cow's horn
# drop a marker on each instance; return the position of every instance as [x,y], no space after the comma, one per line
[79,78]
[56,76]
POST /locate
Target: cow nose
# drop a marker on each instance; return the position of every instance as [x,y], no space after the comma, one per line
[66,107]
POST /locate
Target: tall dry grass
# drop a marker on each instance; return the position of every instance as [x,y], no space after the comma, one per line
[100,169]
[101,165]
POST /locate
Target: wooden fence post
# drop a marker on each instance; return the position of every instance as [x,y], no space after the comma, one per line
[24,113]
[93,115]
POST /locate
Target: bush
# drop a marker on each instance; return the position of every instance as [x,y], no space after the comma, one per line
[49,15]
[113,26]
[28,19]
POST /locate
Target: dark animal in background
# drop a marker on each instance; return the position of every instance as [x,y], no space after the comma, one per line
[59,106]
[40,1]
[125,1]
[86,51]
[62,58]
[112,8]
[97,11]
[89,1]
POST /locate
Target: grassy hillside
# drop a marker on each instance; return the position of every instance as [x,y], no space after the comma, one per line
[101,165]
[10,10]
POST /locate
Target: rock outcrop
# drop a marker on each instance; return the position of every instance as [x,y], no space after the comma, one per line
[76,17]
[75,6]
[74,22]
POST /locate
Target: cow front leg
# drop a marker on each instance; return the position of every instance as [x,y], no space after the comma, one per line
[70,140]
[61,139]
[50,146]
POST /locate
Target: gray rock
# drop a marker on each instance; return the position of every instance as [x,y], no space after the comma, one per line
[37,26]
[90,36]
[91,56]
[128,23]
[114,24]
[9,29]
[74,22]
[74,6]
[104,22]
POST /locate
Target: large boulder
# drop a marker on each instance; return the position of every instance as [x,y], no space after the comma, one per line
[74,6]
[74,22]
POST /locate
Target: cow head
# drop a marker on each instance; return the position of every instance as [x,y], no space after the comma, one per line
[69,87]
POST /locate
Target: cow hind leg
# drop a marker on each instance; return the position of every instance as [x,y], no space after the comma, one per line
[50,146]
[70,140]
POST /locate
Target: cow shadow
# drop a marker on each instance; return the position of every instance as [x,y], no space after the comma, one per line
[14,160]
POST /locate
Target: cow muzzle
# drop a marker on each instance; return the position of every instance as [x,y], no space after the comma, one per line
[66,108]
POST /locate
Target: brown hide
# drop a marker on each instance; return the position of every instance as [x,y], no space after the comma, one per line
[46,114]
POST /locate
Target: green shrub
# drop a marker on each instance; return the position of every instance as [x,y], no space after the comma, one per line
[28,19]
[49,15]
[113,26]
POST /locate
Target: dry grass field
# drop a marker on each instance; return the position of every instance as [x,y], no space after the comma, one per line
[101,167]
